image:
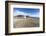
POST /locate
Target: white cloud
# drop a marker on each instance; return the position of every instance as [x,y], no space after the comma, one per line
[22,13]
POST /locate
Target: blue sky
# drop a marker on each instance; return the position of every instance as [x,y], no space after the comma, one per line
[26,11]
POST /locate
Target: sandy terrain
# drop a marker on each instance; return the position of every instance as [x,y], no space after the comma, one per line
[20,22]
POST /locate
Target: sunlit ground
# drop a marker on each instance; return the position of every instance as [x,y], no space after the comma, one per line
[20,22]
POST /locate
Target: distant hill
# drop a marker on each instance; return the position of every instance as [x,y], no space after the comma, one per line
[26,16]
[19,16]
